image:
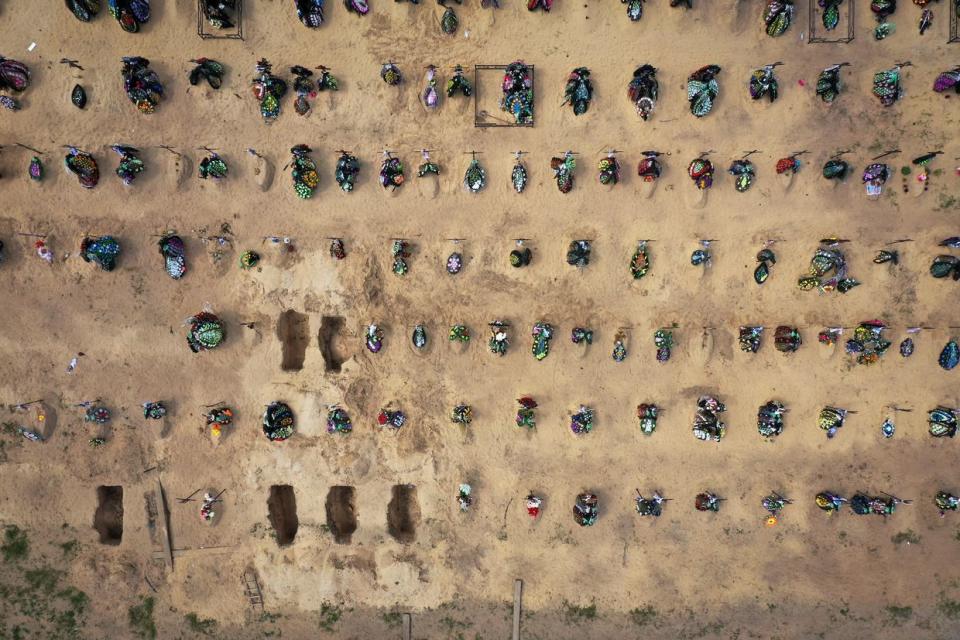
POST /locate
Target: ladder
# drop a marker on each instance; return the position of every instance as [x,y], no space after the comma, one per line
[252,588]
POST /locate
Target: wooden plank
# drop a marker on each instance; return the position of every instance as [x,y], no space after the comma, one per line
[179,553]
[164,525]
[407,627]
[517,593]
[254,594]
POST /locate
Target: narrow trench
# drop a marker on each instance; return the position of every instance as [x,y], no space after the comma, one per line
[403,513]
[293,330]
[331,344]
[282,513]
[108,518]
[341,513]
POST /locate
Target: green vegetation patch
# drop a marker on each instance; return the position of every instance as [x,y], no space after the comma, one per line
[576,613]
[140,617]
[330,615]
[16,545]
[642,616]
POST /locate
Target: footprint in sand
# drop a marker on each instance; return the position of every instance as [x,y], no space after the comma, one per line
[696,198]
[703,350]
[429,185]
[740,17]
[786,181]
[261,169]
[397,102]
[181,168]
[647,188]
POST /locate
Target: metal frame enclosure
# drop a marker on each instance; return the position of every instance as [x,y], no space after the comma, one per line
[815,21]
[954,23]
[490,121]
[236,34]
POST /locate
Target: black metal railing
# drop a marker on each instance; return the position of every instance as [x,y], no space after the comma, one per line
[482,117]
[846,16]
[203,25]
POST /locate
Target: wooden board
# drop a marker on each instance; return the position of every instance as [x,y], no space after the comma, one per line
[252,585]
[407,627]
[163,523]
[517,594]
[179,553]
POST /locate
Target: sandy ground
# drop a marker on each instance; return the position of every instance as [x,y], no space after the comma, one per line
[704,575]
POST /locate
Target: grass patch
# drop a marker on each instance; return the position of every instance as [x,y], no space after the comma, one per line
[70,548]
[898,615]
[712,628]
[642,616]
[575,613]
[140,618]
[562,536]
[949,608]
[907,536]
[392,619]
[47,611]
[77,599]
[330,615]
[203,626]
[71,620]
[452,624]
[947,201]
[45,579]
[16,545]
